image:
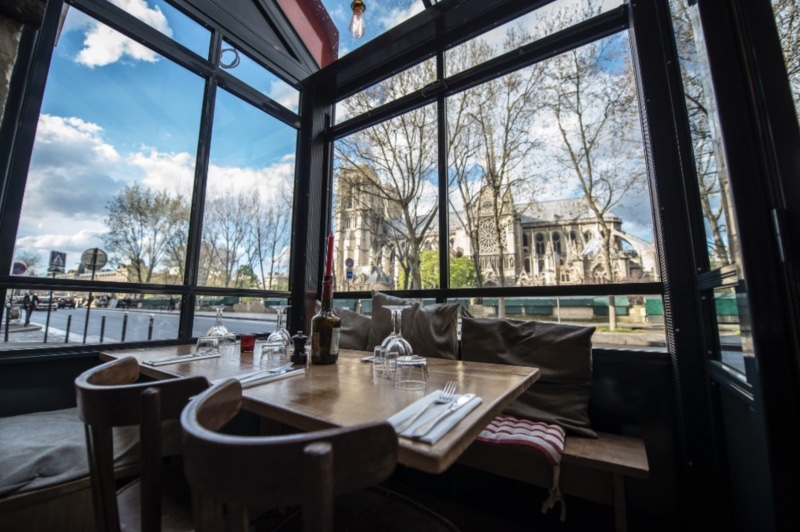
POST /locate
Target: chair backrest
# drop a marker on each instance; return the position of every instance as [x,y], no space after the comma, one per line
[109,396]
[230,473]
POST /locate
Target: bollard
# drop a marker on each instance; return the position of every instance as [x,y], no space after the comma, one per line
[124,326]
[102,328]
[8,319]
[69,324]
[150,328]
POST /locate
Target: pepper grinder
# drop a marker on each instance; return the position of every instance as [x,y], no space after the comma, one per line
[299,356]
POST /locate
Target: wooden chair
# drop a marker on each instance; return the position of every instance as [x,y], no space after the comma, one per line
[109,396]
[228,473]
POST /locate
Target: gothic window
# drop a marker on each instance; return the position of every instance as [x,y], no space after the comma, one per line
[556,243]
[528,266]
[541,265]
[539,244]
[524,239]
[573,237]
[587,236]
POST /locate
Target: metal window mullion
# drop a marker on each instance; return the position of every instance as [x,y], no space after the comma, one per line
[444,191]
[202,162]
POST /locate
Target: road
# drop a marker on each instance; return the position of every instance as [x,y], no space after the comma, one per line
[165,324]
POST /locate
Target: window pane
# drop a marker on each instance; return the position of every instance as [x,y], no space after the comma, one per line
[247,220]
[639,319]
[386,205]
[399,85]
[733,327]
[712,175]
[240,314]
[239,64]
[160,15]
[113,161]
[547,189]
[112,318]
[787,18]
[540,23]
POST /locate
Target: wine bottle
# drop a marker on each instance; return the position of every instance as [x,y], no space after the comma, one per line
[326,327]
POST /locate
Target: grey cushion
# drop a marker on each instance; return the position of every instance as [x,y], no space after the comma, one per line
[431,330]
[355,330]
[563,353]
[47,448]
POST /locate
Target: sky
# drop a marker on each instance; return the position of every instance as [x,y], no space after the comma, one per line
[116,113]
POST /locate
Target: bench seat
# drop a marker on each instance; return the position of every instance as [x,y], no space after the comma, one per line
[591,468]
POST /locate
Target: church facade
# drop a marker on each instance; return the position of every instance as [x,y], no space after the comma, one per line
[558,242]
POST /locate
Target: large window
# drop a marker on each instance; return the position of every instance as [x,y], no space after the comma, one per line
[136,137]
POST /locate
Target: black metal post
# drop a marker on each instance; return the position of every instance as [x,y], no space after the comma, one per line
[124,326]
[102,328]
[89,303]
[69,325]
[8,318]
[150,328]
[49,308]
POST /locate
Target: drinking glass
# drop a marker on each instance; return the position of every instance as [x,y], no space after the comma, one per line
[273,355]
[207,345]
[379,363]
[395,341]
[227,340]
[248,343]
[411,373]
[280,334]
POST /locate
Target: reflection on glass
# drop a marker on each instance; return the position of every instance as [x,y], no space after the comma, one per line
[542,22]
[247,218]
[712,174]
[787,15]
[733,327]
[160,15]
[77,318]
[547,189]
[385,207]
[113,160]
[239,64]
[399,85]
[241,315]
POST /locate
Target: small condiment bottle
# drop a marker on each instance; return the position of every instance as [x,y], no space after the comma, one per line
[299,356]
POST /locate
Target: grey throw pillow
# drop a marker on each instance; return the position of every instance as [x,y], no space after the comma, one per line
[431,330]
[355,330]
[563,353]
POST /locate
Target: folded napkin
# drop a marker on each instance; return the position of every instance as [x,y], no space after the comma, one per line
[179,358]
[441,428]
[268,377]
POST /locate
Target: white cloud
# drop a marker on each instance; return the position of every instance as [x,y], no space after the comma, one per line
[103,45]
[392,17]
[269,181]
[284,94]
[171,172]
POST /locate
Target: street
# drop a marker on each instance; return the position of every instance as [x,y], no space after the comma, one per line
[164,325]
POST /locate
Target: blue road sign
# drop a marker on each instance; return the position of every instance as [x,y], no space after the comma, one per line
[58,261]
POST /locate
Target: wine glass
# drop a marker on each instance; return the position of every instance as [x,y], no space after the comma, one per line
[280,335]
[395,341]
[227,340]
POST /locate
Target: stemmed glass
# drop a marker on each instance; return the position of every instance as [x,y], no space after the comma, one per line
[218,330]
[280,335]
[395,341]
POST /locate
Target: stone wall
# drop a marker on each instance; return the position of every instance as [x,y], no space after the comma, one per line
[10,31]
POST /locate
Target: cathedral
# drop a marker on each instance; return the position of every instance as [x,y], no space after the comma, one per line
[556,242]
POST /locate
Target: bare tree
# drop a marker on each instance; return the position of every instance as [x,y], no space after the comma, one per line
[269,234]
[787,17]
[592,100]
[140,224]
[395,163]
[225,229]
[490,140]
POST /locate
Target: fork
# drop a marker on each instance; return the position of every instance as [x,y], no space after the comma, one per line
[445,396]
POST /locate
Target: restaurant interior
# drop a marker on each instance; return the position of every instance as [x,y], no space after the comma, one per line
[440,130]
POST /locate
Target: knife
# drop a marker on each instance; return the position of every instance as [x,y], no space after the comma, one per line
[269,372]
[458,403]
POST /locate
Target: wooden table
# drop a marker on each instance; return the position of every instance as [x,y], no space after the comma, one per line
[344,394]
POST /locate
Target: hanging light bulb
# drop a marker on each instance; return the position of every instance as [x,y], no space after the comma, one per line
[357,22]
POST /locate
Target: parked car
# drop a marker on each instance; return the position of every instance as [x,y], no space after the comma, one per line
[66,302]
[44,302]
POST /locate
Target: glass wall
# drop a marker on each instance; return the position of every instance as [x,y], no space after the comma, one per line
[136,139]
